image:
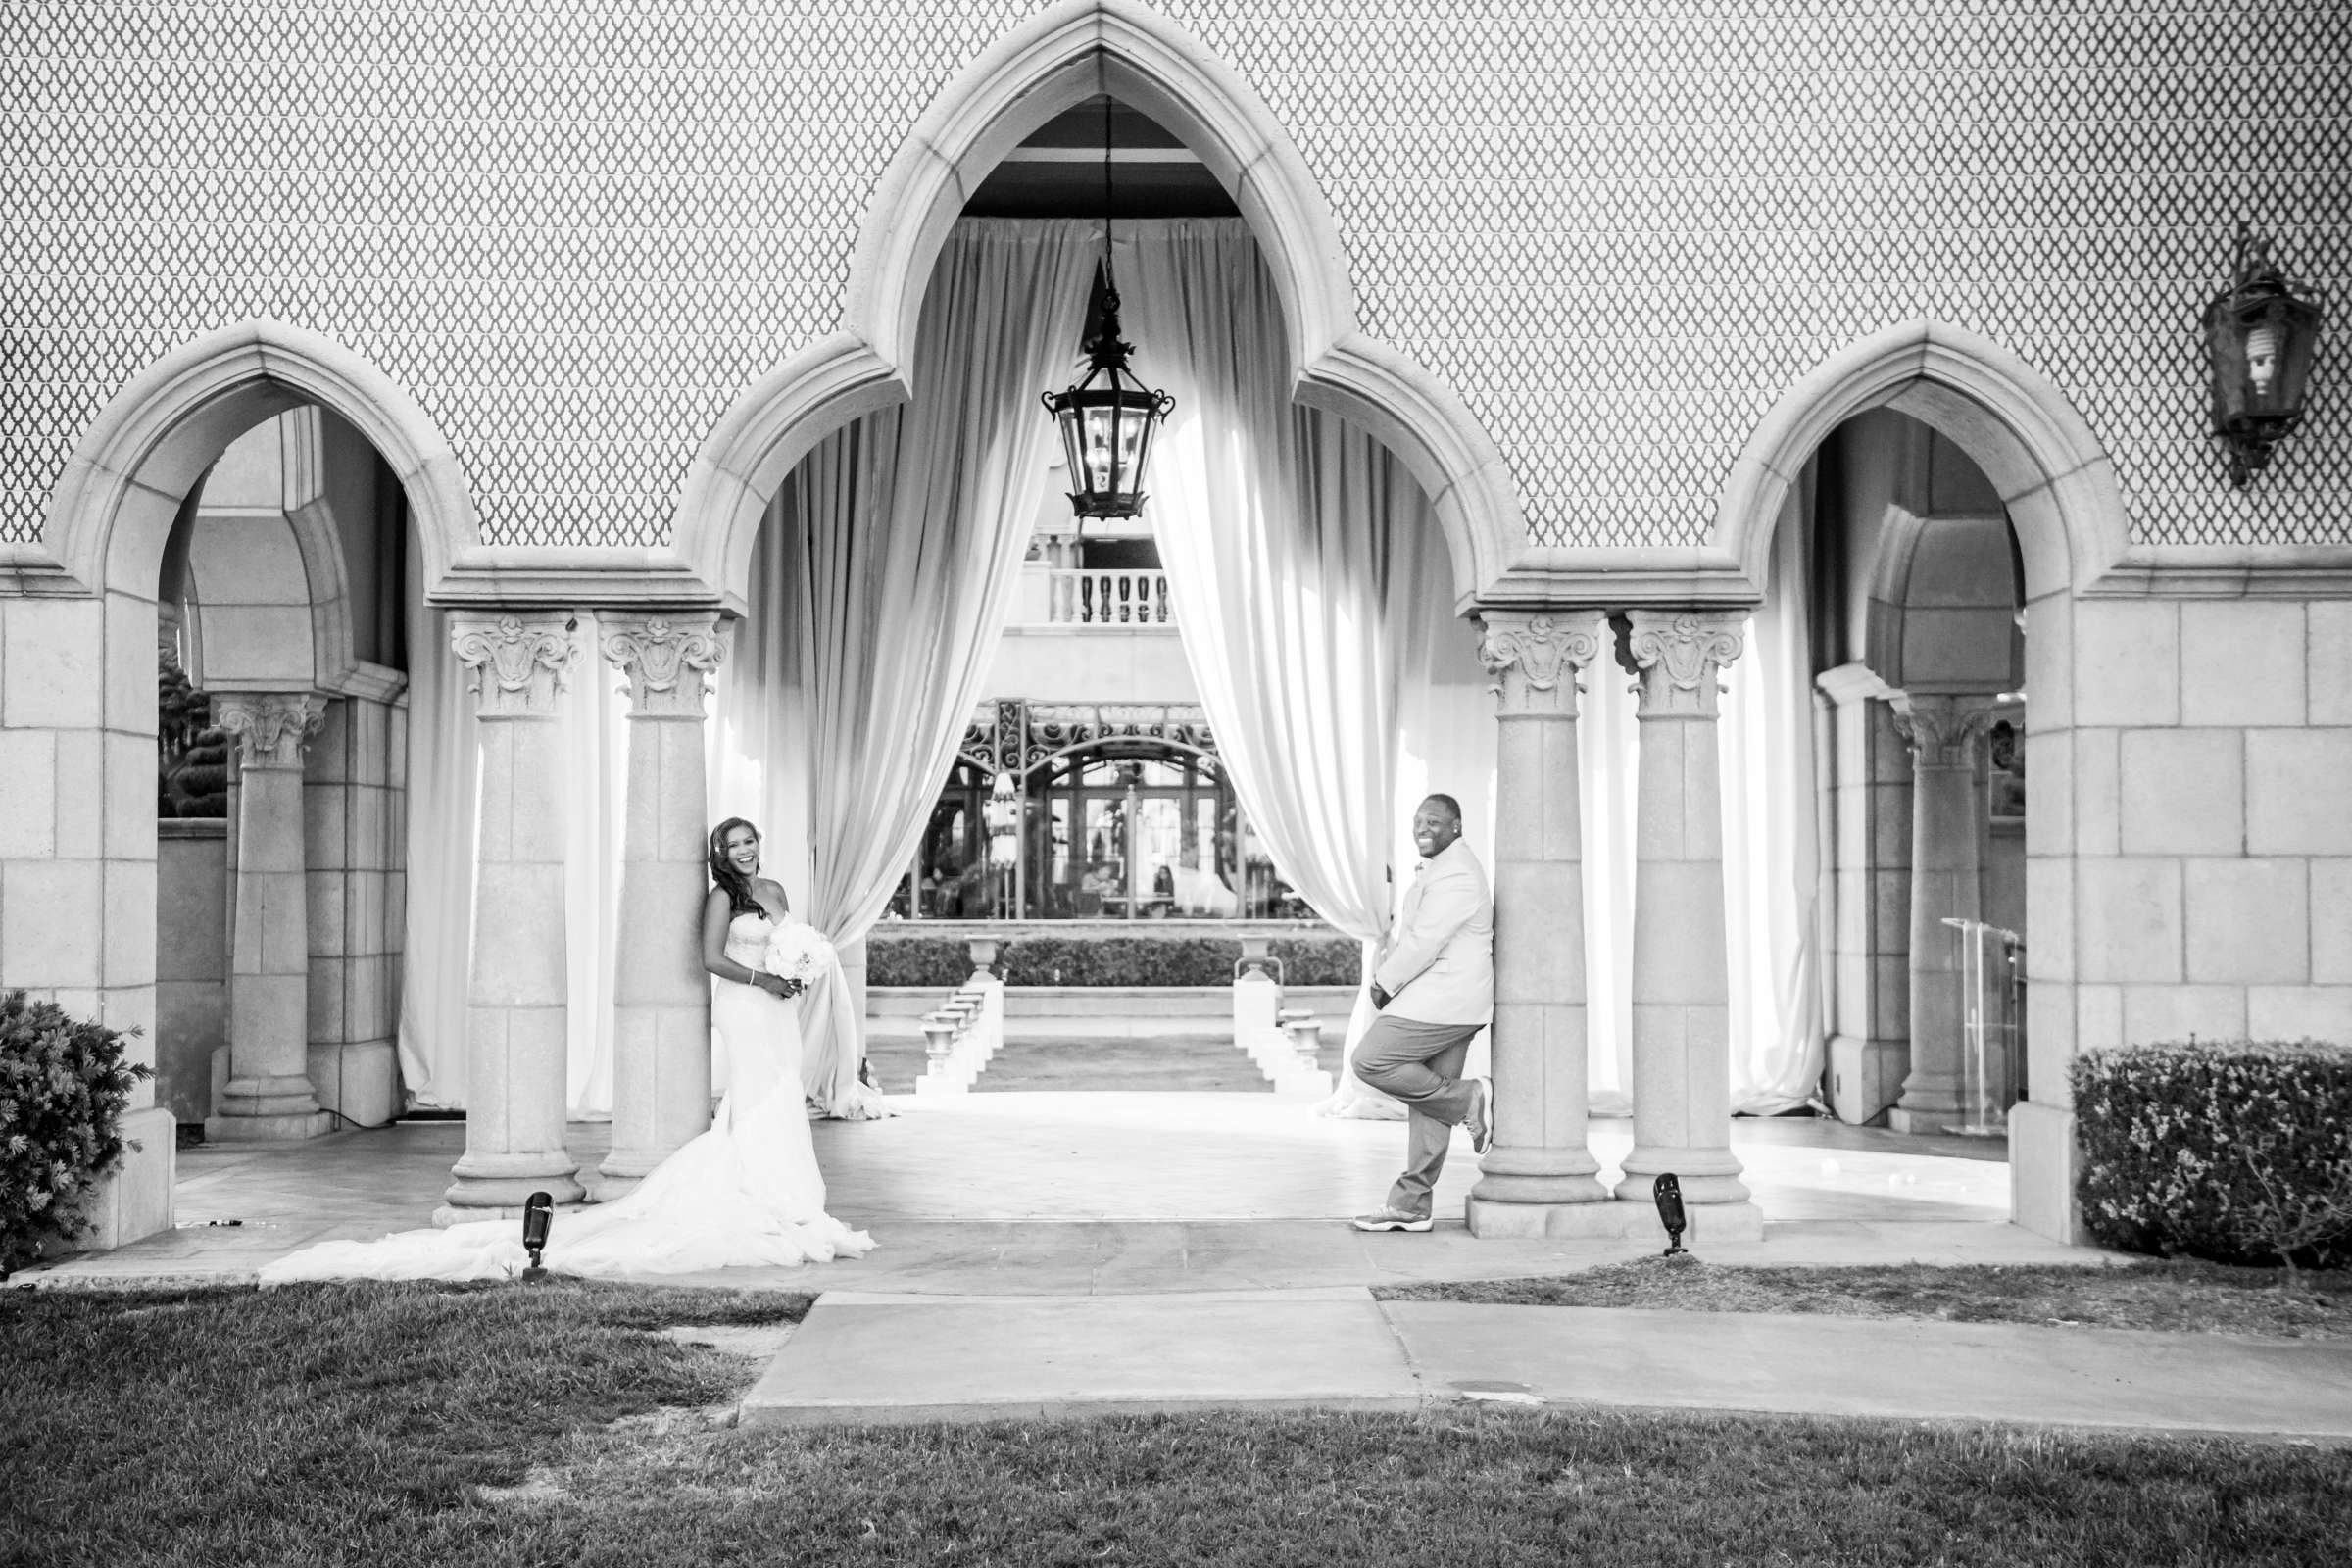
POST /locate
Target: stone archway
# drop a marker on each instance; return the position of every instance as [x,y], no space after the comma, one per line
[89,616]
[2060,494]
[1059,58]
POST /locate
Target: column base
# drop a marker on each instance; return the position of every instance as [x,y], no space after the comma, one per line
[600,1186]
[1866,1076]
[621,1171]
[487,1186]
[1705,1175]
[136,1199]
[359,1079]
[1603,1219]
[1573,1189]
[231,1128]
[2042,1158]
[1904,1120]
[280,1095]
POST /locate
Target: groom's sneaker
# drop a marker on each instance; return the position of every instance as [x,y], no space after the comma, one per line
[1392,1219]
[1482,1117]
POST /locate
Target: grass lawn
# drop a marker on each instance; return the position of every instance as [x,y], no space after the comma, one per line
[554,1423]
[2180,1295]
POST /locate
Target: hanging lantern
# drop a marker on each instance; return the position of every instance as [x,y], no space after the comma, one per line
[2261,334]
[1109,418]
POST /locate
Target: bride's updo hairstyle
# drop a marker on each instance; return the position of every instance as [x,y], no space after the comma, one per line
[736,885]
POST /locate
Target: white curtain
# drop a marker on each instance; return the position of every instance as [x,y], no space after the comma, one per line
[1310,575]
[443,787]
[1609,757]
[1771,854]
[890,555]
[444,782]
[592,717]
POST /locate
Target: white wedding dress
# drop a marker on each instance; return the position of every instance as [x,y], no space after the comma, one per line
[747,1194]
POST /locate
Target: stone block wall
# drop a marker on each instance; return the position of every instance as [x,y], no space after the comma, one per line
[191,956]
[355,805]
[1870,958]
[2212,819]
[2190,843]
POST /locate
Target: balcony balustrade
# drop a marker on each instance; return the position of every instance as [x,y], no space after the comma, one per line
[1093,598]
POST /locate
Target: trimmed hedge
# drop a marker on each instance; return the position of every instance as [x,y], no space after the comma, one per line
[62,1089]
[932,962]
[2236,1151]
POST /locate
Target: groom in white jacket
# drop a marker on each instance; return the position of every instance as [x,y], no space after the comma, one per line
[1435,987]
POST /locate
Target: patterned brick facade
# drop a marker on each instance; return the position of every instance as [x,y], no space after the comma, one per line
[575,232]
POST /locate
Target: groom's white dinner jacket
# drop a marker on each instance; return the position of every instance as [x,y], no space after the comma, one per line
[1438,964]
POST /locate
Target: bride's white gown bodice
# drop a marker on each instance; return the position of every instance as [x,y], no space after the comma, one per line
[747,1194]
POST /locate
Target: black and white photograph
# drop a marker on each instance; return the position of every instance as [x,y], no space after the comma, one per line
[1176,782]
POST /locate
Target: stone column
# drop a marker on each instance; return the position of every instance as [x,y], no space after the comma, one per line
[1870,1018]
[660,993]
[1539,1177]
[1682,1069]
[270,1093]
[1946,735]
[515,998]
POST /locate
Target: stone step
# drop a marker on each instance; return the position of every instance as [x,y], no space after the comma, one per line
[1092,1002]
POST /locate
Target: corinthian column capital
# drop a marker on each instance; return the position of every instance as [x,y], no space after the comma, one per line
[1679,653]
[1942,732]
[517,661]
[1535,657]
[271,728]
[666,657]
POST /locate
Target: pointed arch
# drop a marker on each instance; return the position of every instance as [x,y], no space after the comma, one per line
[112,511]
[1059,58]
[2054,478]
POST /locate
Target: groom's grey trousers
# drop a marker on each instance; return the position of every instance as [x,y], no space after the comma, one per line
[1421,1064]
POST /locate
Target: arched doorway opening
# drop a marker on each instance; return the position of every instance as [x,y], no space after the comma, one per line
[2055,491]
[248,520]
[1129,58]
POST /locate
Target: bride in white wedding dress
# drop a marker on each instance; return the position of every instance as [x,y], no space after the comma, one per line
[747,1194]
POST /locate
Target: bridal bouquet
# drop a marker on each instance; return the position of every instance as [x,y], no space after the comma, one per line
[799,953]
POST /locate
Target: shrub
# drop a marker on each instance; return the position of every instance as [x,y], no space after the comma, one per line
[928,962]
[2236,1151]
[192,755]
[63,1088]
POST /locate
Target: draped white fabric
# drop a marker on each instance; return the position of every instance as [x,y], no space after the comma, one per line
[1770,849]
[443,800]
[1310,577]
[1608,758]
[1308,571]
[1276,546]
[1770,855]
[593,714]
[892,553]
[443,784]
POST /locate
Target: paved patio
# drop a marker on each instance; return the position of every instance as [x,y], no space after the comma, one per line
[1077,1190]
[1064,1254]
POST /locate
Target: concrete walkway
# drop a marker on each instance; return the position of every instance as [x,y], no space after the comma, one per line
[864,1357]
[1058,1253]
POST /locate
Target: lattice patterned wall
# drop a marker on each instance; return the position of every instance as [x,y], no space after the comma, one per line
[576,231]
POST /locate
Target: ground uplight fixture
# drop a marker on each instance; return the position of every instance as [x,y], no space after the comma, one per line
[2261,336]
[538,1214]
[1107,419]
[1667,1190]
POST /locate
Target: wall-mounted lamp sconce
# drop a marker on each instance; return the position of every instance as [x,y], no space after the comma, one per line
[2260,333]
